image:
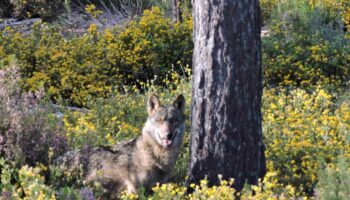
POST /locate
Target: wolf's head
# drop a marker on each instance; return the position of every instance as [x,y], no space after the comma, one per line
[165,124]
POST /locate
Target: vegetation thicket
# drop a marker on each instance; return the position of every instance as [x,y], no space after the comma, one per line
[110,73]
[98,62]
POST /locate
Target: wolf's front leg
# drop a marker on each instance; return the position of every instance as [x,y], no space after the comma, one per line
[130,187]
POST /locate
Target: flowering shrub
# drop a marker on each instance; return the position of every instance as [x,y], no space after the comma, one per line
[28,129]
[32,185]
[109,121]
[112,72]
[305,48]
[266,189]
[267,7]
[8,173]
[43,8]
[299,129]
[333,9]
[98,62]
[301,49]
[92,10]
[155,41]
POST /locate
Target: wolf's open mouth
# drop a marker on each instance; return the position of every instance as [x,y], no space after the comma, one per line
[167,142]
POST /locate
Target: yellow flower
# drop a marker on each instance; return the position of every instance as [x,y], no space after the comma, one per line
[92,29]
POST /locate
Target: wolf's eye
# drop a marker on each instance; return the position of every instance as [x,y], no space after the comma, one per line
[159,120]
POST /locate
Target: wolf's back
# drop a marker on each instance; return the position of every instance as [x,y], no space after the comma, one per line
[88,158]
[69,161]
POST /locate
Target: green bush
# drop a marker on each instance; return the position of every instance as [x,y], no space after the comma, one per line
[267,8]
[300,127]
[5,8]
[305,47]
[301,50]
[334,11]
[98,62]
[133,7]
[108,121]
[29,131]
[45,9]
[153,44]
[334,180]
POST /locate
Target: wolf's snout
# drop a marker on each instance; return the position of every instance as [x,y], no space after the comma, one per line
[169,136]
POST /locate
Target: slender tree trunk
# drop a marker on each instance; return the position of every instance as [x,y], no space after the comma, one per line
[226,132]
[177,11]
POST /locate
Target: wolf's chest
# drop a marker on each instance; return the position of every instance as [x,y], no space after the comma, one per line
[155,167]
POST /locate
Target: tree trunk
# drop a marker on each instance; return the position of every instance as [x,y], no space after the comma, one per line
[177,11]
[226,132]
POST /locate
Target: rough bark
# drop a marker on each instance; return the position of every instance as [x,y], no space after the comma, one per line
[226,132]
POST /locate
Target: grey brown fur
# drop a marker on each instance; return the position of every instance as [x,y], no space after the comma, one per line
[143,161]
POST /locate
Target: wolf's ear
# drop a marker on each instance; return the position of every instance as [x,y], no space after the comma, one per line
[152,104]
[179,103]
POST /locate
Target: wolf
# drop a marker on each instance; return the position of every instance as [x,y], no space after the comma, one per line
[140,162]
